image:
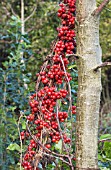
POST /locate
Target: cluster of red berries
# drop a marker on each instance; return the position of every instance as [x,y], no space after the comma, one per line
[73,109]
[24,135]
[44,118]
[27,166]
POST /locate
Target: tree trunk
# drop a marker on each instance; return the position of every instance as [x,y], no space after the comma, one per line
[89,86]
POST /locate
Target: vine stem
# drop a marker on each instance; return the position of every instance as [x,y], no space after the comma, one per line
[37,141]
[69,157]
[21,144]
[51,153]
[70,95]
[56,158]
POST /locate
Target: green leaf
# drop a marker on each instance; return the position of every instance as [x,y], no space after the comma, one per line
[18,166]
[72,66]
[5,64]
[107,149]
[29,74]
[68,124]
[14,17]
[105,136]
[12,108]
[26,40]
[14,146]
[23,125]
[58,146]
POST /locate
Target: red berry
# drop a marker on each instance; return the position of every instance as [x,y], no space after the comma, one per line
[48,146]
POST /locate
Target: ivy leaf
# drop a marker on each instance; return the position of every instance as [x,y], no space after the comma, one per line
[26,40]
[12,108]
[14,146]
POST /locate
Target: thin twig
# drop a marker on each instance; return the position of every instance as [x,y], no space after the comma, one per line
[5,41]
[70,95]
[69,158]
[104,140]
[76,56]
[6,11]
[37,160]
[31,14]
[70,105]
[57,118]
[45,65]
[80,168]
[104,7]
[56,158]
[21,145]
[100,8]
[39,143]
[12,10]
[39,77]
[102,65]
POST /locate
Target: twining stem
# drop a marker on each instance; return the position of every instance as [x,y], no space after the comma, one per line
[21,145]
[70,97]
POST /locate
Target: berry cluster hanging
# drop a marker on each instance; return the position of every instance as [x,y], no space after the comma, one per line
[44,122]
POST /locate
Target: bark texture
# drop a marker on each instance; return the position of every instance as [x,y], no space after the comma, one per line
[89,83]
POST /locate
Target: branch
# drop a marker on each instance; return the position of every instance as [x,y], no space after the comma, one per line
[102,65]
[108,9]
[61,134]
[105,140]
[12,10]
[74,56]
[31,14]
[49,155]
[101,7]
[70,96]
[34,27]
[21,144]
[6,42]
[6,11]
[41,145]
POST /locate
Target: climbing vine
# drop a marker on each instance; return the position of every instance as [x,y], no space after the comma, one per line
[50,121]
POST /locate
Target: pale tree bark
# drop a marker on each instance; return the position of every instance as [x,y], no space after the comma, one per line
[22,29]
[23,20]
[89,83]
[22,32]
